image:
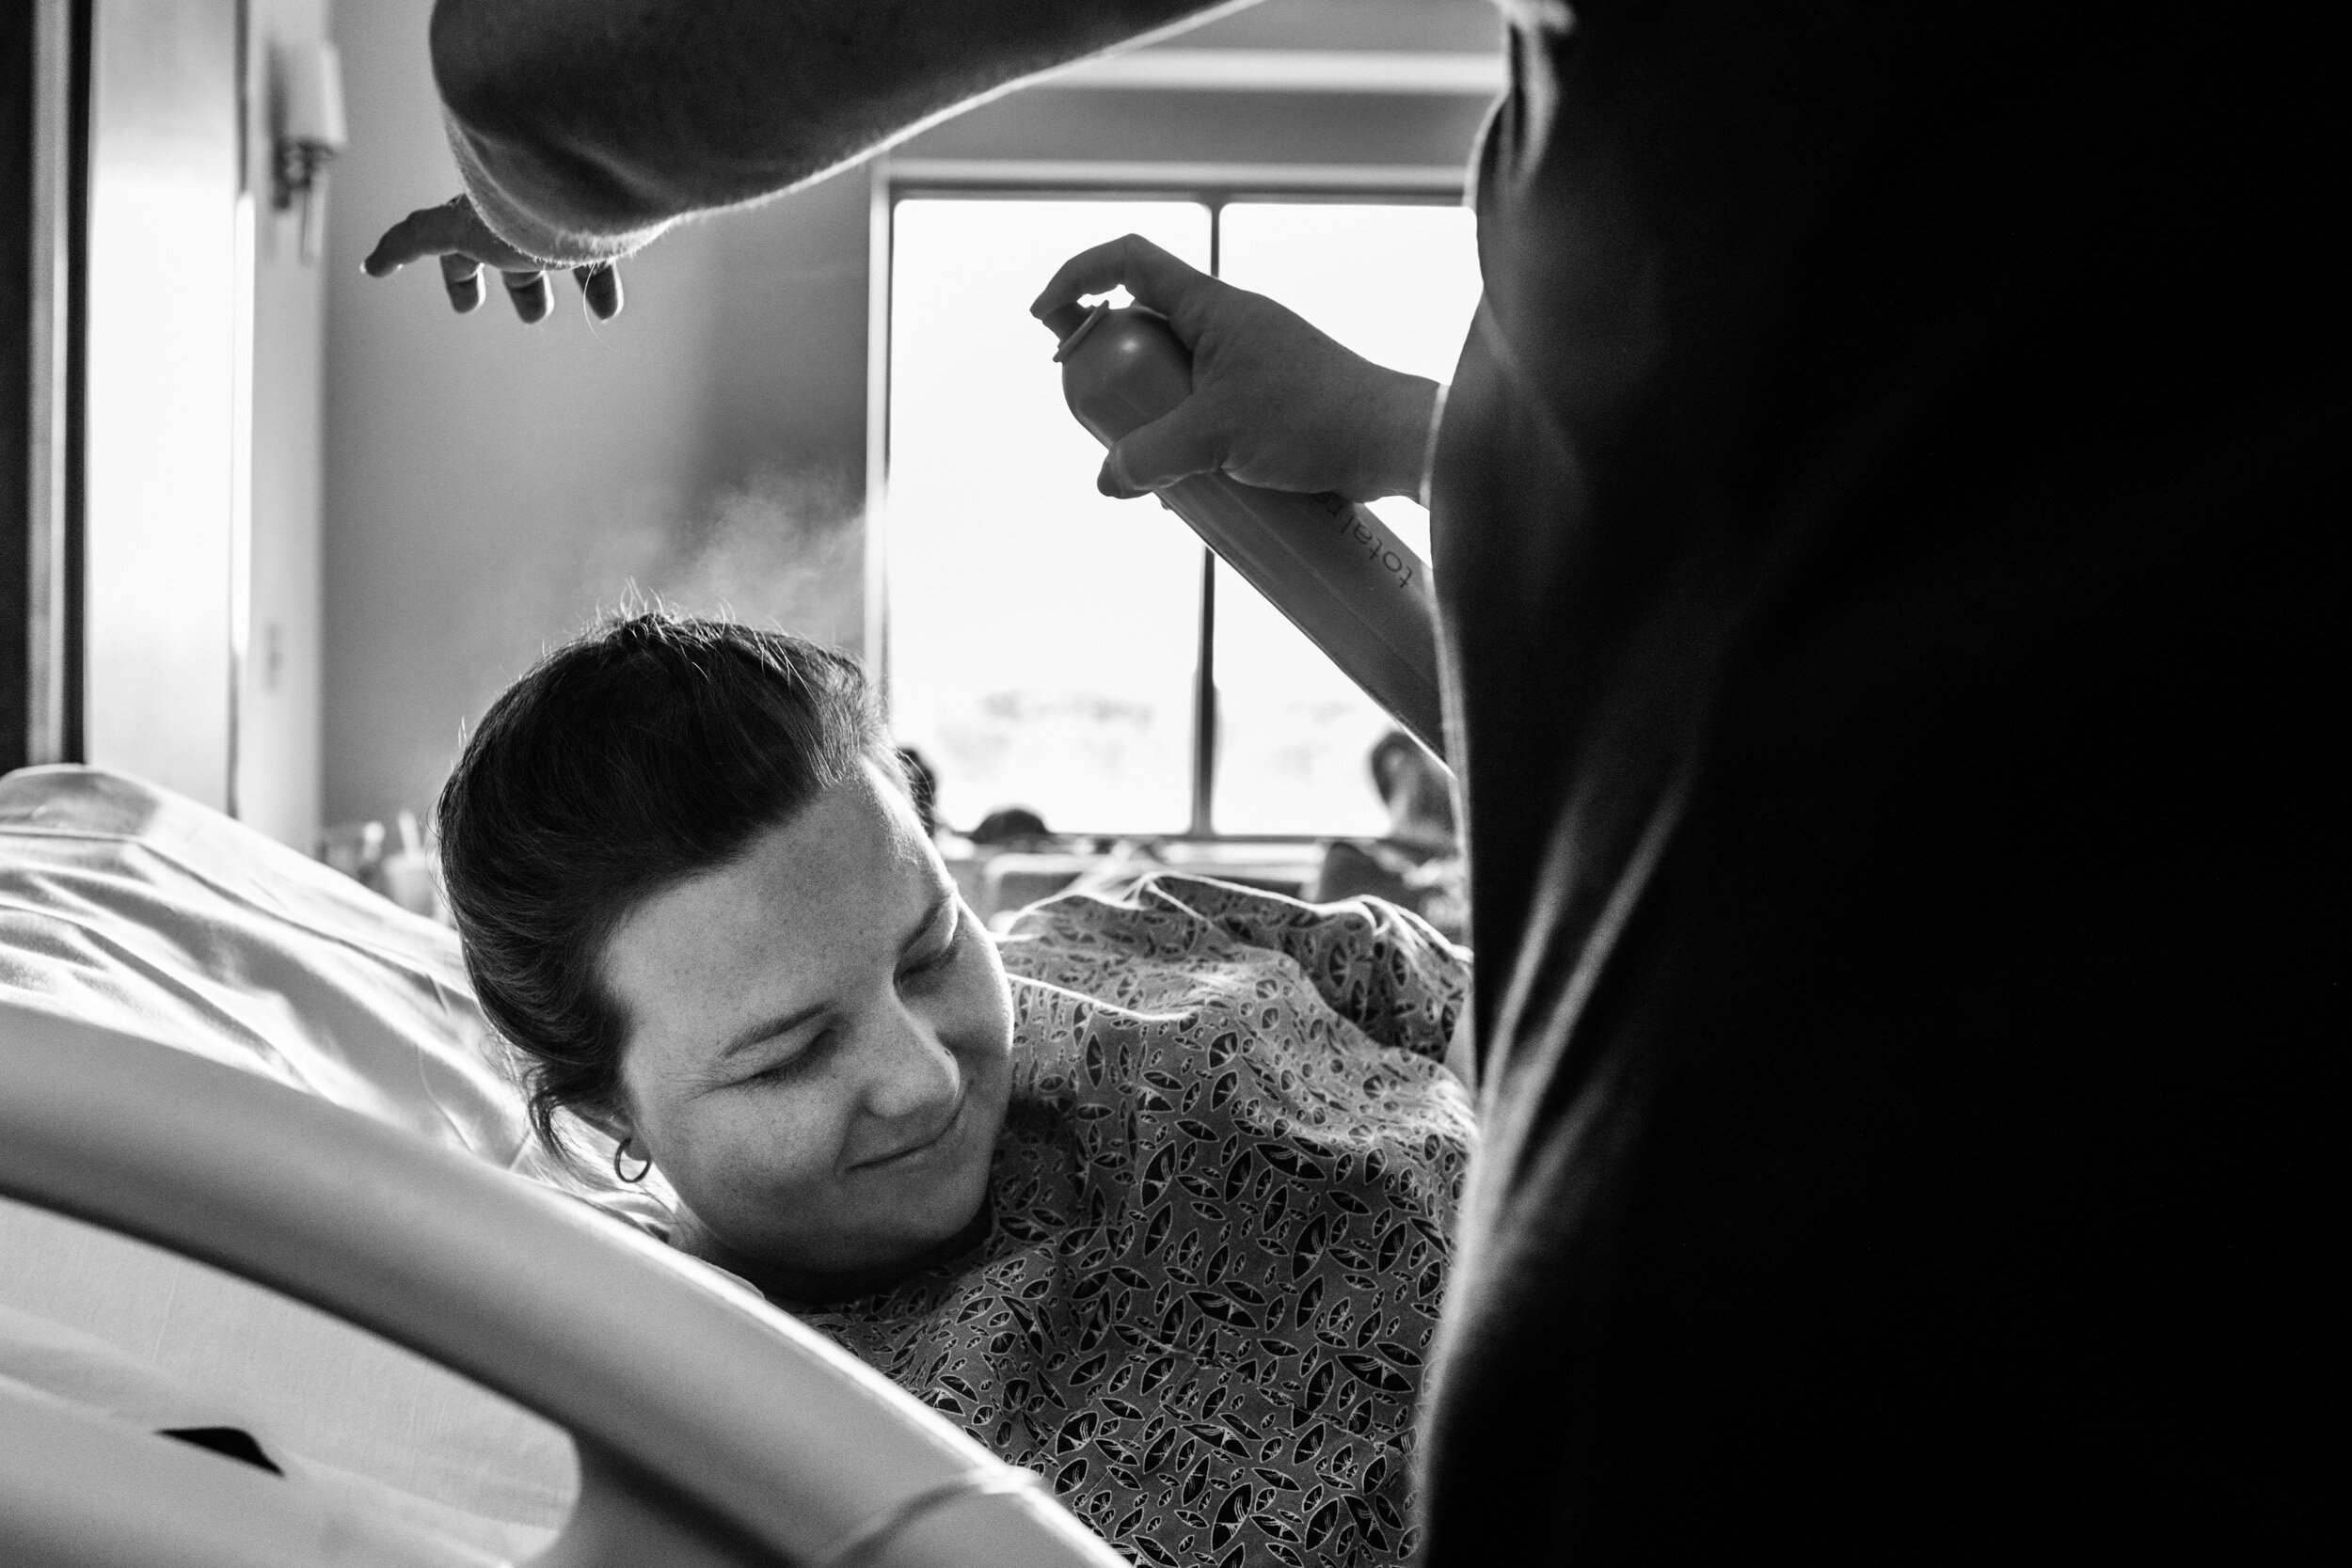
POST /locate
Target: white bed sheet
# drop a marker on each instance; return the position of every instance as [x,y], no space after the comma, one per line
[132,912]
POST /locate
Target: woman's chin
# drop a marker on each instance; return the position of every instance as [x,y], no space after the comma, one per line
[843,1273]
[903,1215]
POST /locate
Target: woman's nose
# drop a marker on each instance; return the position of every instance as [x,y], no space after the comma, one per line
[911,1074]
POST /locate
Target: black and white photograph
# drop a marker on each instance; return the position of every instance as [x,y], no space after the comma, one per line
[1143,784]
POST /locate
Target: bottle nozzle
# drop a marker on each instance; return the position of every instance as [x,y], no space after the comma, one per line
[1062,322]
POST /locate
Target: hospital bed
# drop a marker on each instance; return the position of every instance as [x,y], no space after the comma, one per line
[263,1185]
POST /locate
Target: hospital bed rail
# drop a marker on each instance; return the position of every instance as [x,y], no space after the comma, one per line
[711,1428]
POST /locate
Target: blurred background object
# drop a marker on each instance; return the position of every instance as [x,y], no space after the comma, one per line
[400,864]
[307,133]
[1418,862]
[1010,828]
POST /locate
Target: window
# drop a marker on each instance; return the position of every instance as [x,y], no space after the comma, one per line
[1046,644]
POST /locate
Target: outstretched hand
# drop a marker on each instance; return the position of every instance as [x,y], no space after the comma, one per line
[456,233]
[1273,402]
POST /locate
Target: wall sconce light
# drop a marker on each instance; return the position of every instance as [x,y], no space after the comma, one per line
[308,132]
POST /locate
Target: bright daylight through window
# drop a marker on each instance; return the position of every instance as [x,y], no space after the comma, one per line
[1044,641]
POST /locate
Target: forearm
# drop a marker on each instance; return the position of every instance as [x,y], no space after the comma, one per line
[1403,432]
[586,125]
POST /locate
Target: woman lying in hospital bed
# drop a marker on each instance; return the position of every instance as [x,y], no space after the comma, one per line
[263,1191]
[1154,1198]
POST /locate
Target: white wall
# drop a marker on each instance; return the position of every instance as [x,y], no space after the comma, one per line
[490,486]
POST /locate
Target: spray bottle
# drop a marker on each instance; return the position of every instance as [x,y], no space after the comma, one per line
[1331,566]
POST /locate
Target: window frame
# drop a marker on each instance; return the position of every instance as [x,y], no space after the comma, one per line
[1213,187]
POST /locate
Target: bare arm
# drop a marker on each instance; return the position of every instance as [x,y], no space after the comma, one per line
[585,126]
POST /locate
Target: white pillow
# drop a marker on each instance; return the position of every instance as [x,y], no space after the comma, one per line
[137,909]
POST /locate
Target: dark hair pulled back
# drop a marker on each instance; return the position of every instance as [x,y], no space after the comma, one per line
[651,750]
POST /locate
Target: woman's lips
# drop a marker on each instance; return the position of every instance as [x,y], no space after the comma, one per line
[911,1151]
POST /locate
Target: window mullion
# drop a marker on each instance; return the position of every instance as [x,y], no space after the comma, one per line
[1205,725]
[1205,706]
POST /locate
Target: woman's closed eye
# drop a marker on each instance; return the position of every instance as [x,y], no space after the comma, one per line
[791,1063]
[936,954]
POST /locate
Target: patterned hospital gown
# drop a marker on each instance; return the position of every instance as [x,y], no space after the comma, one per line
[1223,1200]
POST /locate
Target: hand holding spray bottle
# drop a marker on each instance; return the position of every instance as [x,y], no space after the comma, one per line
[1331,566]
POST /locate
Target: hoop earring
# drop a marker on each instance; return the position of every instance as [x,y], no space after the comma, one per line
[621,1149]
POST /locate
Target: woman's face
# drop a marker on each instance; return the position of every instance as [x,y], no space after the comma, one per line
[817,1045]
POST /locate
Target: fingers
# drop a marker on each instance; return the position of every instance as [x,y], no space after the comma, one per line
[427,231]
[1151,275]
[528,293]
[456,234]
[453,233]
[600,288]
[461,277]
[527,288]
[1187,439]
